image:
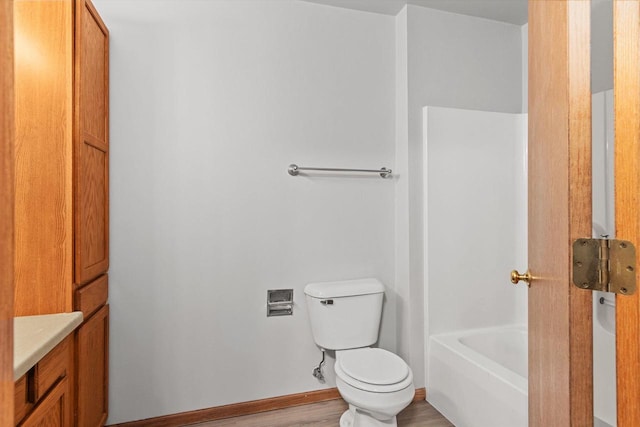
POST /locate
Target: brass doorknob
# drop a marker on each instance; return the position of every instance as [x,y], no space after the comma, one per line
[516,277]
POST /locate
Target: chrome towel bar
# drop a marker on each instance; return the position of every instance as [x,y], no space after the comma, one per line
[295,169]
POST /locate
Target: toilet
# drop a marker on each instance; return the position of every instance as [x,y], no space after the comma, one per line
[345,317]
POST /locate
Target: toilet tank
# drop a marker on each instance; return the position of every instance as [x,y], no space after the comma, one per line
[345,314]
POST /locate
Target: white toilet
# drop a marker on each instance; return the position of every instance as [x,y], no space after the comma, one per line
[345,317]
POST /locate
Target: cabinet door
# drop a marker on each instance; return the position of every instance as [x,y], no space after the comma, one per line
[91,156]
[43,157]
[92,370]
[54,410]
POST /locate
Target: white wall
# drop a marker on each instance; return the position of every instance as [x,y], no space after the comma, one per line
[451,60]
[409,335]
[462,61]
[210,101]
[601,45]
[475,182]
[525,67]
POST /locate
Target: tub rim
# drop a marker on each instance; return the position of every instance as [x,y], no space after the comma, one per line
[451,341]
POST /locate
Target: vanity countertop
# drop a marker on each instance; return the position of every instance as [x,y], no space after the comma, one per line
[35,336]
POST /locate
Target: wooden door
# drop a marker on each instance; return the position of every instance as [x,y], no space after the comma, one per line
[560,319]
[627,200]
[6,214]
[91,144]
[92,370]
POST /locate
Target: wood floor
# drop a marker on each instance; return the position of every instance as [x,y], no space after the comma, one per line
[327,414]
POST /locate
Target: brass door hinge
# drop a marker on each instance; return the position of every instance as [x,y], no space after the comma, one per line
[606,265]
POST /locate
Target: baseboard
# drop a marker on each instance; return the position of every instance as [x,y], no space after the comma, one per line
[246,408]
[236,409]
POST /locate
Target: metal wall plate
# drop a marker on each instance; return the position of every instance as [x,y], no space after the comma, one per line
[279,302]
[605,265]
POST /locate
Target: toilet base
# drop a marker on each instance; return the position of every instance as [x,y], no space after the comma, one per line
[352,417]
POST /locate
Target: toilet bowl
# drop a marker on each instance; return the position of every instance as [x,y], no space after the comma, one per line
[375,383]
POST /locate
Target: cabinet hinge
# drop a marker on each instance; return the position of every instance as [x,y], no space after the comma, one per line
[606,265]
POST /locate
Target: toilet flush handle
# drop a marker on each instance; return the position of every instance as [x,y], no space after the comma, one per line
[326,302]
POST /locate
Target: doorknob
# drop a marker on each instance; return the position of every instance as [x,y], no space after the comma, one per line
[516,277]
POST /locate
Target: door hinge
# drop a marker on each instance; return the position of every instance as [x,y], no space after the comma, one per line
[606,265]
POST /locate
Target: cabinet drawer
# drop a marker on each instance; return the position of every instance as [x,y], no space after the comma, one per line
[52,367]
[22,403]
[36,385]
[91,297]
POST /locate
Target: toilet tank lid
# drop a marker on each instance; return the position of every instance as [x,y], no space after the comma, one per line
[344,288]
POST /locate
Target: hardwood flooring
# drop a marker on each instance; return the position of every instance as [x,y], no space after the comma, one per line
[327,414]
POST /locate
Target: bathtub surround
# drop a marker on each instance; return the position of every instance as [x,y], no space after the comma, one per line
[476,184]
[477,379]
[477,157]
[447,60]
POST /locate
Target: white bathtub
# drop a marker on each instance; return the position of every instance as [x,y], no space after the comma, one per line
[478,377]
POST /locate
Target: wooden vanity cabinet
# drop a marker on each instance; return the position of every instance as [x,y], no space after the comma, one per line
[43,396]
[62,184]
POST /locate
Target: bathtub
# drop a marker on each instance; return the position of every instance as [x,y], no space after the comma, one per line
[478,377]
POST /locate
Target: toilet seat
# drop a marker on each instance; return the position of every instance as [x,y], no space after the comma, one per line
[373,369]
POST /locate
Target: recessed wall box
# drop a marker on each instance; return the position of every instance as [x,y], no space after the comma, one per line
[279,302]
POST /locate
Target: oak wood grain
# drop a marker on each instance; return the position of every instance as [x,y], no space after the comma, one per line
[22,402]
[91,214]
[6,213]
[91,144]
[91,297]
[627,199]
[54,365]
[580,215]
[560,356]
[92,348]
[44,183]
[54,410]
[33,389]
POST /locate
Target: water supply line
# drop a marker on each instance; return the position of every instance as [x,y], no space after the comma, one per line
[317,371]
